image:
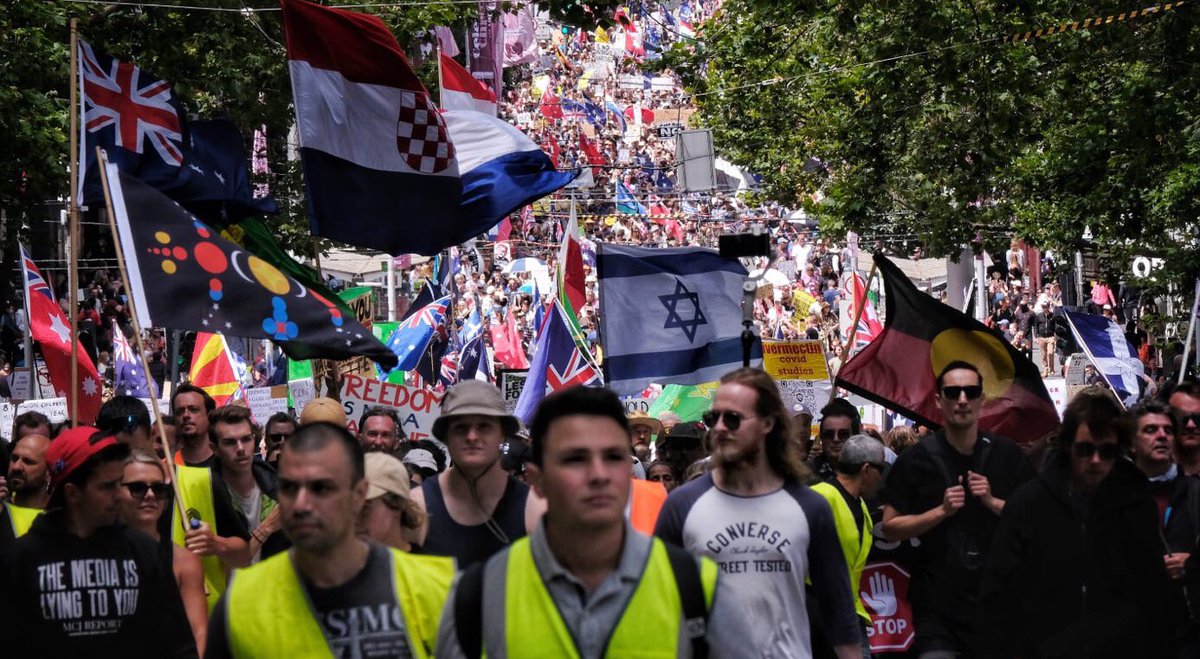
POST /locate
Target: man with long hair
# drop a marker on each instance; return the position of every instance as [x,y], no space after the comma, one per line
[754,516]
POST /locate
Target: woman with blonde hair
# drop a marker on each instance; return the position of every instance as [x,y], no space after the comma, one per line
[145,494]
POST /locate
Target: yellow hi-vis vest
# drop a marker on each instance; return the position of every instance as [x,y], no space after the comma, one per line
[648,628]
[196,485]
[268,614]
[21,518]
[856,543]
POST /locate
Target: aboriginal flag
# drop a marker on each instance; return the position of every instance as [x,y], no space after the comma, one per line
[184,275]
[899,368]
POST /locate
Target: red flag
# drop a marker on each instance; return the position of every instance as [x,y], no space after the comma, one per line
[591,151]
[570,267]
[869,326]
[461,91]
[555,149]
[506,343]
[899,368]
[48,326]
[550,107]
[647,114]
[213,370]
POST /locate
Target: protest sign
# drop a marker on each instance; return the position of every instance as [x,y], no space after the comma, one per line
[418,408]
[511,384]
[301,391]
[669,129]
[263,402]
[1057,388]
[813,394]
[55,409]
[795,360]
[8,412]
[164,407]
[637,404]
[20,385]
[884,591]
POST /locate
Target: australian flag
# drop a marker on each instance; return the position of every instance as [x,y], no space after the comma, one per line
[136,119]
[129,379]
[411,339]
[558,363]
[473,362]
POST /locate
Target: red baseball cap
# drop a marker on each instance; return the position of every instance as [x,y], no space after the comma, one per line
[71,448]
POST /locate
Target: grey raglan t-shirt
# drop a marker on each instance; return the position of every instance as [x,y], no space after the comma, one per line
[765,546]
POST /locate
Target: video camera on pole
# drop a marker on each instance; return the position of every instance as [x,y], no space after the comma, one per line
[747,245]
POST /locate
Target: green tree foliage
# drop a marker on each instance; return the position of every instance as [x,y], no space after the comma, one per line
[916,119]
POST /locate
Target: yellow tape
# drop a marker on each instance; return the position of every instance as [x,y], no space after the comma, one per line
[1093,22]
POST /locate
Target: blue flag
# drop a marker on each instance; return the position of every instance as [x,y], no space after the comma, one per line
[473,362]
[671,316]
[1112,354]
[626,203]
[411,339]
[129,378]
[557,364]
[133,115]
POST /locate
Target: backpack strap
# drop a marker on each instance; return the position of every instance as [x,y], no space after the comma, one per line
[934,447]
[691,595]
[468,611]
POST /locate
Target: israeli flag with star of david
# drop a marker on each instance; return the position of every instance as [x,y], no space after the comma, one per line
[669,316]
[1114,357]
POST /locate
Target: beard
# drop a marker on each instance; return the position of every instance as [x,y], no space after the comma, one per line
[731,455]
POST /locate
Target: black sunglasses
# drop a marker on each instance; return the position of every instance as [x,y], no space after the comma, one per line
[138,489]
[973,391]
[841,433]
[1184,418]
[732,419]
[1086,450]
[279,436]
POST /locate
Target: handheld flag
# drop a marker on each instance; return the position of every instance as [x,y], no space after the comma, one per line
[461,91]
[380,170]
[1114,357]
[129,377]
[627,203]
[557,364]
[134,117]
[473,363]
[48,327]
[506,343]
[411,339]
[184,275]
[869,326]
[670,315]
[899,368]
[214,370]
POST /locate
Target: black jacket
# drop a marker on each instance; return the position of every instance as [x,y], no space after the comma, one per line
[1059,584]
[108,595]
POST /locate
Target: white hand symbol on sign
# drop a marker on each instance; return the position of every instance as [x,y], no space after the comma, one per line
[882,600]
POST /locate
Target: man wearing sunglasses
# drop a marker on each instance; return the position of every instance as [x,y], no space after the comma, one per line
[279,427]
[839,420]
[1185,405]
[1076,568]
[763,526]
[949,490]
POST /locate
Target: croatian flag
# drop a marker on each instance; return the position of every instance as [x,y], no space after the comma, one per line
[380,169]
[461,91]
[502,170]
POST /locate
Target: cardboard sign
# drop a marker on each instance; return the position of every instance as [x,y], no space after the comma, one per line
[164,407]
[669,129]
[637,404]
[418,408]
[795,360]
[511,384]
[55,409]
[8,412]
[884,592]
[263,403]
[813,394]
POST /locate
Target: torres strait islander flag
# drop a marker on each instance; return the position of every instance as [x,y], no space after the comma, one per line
[899,368]
[379,166]
[461,91]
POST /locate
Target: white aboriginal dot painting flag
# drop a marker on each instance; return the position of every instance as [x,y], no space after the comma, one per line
[184,275]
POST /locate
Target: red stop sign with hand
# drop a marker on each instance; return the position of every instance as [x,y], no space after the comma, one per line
[884,592]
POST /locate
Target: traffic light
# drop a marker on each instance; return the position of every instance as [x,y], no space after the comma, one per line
[1064,337]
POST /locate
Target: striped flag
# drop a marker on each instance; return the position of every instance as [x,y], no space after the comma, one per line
[213,369]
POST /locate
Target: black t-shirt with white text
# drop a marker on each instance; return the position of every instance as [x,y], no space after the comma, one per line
[359,618]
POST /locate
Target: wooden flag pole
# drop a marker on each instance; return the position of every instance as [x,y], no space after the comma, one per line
[853,328]
[169,461]
[73,225]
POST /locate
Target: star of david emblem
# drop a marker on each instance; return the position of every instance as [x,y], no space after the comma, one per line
[674,318]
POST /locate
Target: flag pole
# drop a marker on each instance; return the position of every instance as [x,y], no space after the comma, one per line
[853,326]
[1187,345]
[73,223]
[169,461]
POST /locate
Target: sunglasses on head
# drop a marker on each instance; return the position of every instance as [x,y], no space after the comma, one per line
[138,489]
[1086,450]
[732,420]
[841,433]
[973,391]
